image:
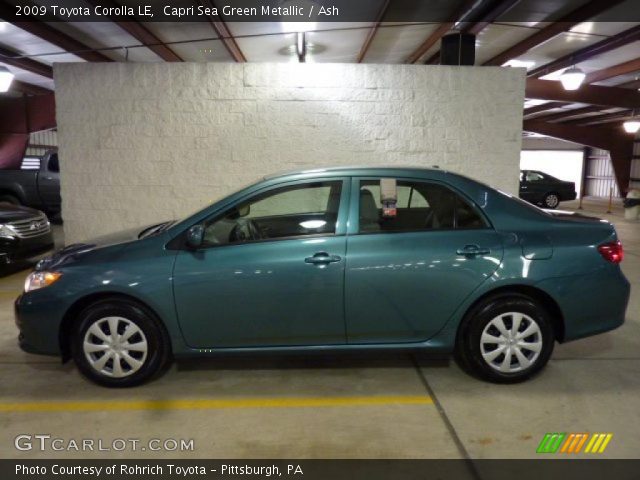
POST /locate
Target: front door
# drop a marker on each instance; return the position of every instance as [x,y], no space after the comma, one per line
[49,182]
[407,274]
[271,272]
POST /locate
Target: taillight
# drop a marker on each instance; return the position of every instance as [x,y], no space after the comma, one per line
[612,251]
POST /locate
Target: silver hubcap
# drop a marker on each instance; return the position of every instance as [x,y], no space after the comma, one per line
[115,347]
[511,342]
[552,201]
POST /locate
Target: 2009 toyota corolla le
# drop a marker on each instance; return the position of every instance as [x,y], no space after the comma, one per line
[341,258]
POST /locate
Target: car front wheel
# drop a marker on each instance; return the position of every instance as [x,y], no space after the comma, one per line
[118,343]
[506,339]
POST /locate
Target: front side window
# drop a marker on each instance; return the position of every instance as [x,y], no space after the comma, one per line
[420,206]
[285,212]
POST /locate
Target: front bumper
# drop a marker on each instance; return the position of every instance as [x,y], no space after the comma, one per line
[38,318]
[25,248]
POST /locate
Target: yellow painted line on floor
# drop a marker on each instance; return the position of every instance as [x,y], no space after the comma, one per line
[212,404]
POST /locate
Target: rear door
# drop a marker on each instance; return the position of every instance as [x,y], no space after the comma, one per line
[406,275]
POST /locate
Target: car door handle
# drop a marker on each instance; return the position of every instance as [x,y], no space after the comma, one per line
[322,258]
[473,250]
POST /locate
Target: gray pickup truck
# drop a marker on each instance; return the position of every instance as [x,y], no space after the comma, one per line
[36,184]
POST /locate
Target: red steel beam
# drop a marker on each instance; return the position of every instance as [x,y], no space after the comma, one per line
[634,84]
[613,71]
[223,32]
[589,94]
[542,108]
[589,136]
[372,32]
[570,113]
[12,58]
[604,118]
[138,31]
[56,37]
[28,88]
[566,23]
[603,46]
[440,31]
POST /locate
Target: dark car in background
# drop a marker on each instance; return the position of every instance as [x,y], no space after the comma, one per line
[24,233]
[542,189]
[36,184]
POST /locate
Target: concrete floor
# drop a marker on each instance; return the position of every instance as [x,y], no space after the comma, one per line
[390,406]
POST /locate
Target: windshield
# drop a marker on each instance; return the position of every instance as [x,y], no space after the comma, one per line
[200,209]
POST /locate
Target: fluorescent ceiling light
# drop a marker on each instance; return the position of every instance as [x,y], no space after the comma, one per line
[294,27]
[519,63]
[572,78]
[6,77]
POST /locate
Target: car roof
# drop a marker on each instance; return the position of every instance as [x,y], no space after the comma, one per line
[358,170]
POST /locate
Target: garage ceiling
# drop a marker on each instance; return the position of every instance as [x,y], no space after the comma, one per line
[549,32]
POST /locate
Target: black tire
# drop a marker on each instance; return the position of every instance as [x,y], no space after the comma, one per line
[158,352]
[551,201]
[9,199]
[469,348]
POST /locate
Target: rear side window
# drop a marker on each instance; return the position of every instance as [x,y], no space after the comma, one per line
[534,177]
[421,206]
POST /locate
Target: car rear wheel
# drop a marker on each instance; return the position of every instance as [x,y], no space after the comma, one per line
[118,343]
[551,200]
[506,339]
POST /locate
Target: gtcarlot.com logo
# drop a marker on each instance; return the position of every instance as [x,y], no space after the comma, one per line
[574,442]
[46,442]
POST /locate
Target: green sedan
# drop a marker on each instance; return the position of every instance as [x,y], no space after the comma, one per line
[330,260]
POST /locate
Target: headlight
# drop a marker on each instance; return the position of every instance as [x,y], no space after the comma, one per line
[6,232]
[38,280]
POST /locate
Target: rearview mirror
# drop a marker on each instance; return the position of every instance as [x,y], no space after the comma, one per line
[195,236]
[244,210]
[239,211]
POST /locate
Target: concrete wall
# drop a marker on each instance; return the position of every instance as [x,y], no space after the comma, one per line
[141,143]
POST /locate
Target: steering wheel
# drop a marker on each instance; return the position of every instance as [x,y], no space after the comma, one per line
[245,230]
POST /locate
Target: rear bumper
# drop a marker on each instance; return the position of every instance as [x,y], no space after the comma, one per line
[591,304]
[566,196]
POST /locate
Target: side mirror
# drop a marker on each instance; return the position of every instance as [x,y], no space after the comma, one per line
[195,236]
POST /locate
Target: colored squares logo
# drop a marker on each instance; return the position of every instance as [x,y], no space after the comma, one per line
[574,443]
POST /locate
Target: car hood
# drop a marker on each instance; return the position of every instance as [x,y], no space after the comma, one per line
[11,213]
[74,252]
